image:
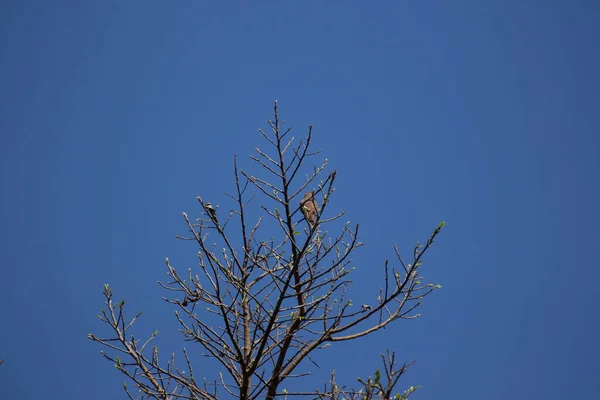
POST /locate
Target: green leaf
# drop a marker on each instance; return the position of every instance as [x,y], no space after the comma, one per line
[377,377]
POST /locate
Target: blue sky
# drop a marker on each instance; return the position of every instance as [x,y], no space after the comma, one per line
[116,115]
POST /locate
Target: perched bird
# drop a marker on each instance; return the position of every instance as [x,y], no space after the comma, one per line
[309,207]
[212,212]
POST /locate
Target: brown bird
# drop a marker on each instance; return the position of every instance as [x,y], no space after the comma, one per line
[309,207]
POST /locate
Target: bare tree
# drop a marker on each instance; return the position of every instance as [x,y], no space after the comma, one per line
[268,305]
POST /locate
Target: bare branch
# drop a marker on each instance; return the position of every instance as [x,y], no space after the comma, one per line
[277,278]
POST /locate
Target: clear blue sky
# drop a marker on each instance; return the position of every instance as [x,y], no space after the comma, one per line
[115,115]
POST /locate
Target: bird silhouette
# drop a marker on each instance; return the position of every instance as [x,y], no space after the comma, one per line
[212,212]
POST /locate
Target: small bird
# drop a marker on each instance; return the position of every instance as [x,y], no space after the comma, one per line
[212,212]
[309,207]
